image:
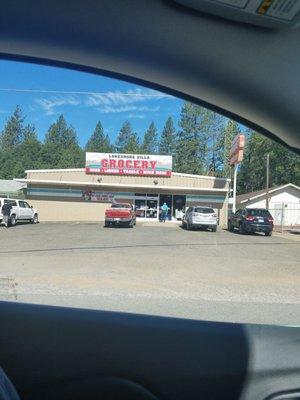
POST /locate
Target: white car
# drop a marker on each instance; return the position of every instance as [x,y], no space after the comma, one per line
[200,217]
[21,211]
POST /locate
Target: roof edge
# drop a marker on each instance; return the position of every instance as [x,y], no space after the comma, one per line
[270,191]
[83,169]
[122,185]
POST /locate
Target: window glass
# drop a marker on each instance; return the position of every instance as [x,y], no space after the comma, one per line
[204,210]
[75,145]
[258,212]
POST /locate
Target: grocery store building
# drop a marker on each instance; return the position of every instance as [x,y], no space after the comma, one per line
[144,181]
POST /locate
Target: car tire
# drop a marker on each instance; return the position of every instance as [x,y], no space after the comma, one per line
[188,226]
[13,220]
[214,229]
[241,229]
[230,227]
[106,224]
[268,233]
[35,219]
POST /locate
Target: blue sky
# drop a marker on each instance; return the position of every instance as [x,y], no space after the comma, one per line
[109,100]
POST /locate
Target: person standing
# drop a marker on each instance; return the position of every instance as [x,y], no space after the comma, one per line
[164,210]
[6,210]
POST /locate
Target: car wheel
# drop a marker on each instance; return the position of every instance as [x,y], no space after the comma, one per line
[13,220]
[214,229]
[241,229]
[35,219]
[268,233]
[106,224]
[230,227]
[183,225]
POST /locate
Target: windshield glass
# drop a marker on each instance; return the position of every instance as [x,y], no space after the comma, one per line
[77,147]
[204,210]
[258,212]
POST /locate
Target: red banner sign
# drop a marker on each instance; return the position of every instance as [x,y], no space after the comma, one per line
[237,149]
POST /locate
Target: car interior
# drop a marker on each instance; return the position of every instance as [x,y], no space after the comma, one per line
[229,58]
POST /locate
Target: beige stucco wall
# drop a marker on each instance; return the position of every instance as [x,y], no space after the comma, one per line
[58,210]
[50,210]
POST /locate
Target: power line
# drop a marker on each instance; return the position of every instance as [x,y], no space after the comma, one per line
[85,93]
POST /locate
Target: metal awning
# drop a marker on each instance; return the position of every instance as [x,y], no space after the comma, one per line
[100,185]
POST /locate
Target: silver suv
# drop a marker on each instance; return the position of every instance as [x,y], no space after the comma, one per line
[200,217]
[21,211]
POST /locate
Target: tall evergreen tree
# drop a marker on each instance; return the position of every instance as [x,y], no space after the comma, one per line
[61,149]
[132,146]
[123,137]
[29,151]
[168,138]
[284,164]
[99,142]
[150,144]
[61,134]
[12,134]
[214,130]
[191,146]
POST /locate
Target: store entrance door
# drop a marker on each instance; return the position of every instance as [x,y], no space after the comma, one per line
[166,198]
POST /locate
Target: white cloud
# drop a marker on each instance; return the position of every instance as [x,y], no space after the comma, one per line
[136,116]
[50,105]
[106,102]
[111,109]
[114,101]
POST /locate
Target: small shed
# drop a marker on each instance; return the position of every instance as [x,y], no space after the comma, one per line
[12,188]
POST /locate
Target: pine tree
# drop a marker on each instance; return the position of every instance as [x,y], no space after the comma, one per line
[284,164]
[214,131]
[61,134]
[12,134]
[132,146]
[191,146]
[150,144]
[123,137]
[99,142]
[168,137]
[61,149]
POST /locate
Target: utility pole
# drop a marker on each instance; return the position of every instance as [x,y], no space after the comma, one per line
[267,181]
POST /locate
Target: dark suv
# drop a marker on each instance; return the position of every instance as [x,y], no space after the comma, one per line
[251,220]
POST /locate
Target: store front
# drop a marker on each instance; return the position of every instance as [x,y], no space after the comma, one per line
[148,206]
[147,183]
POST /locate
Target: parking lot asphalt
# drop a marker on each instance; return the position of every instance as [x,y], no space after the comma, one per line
[157,269]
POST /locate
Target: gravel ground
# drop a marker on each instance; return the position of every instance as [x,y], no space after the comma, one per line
[154,268]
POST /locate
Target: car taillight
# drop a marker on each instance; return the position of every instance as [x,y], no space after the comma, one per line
[249,218]
[214,215]
[270,219]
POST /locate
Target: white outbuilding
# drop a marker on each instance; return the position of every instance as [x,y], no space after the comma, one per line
[284,203]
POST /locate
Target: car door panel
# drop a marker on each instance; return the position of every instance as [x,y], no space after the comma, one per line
[50,351]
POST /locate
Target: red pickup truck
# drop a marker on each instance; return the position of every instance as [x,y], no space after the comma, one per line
[120,214]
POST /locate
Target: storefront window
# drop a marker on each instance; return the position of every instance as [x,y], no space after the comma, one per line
[178,206]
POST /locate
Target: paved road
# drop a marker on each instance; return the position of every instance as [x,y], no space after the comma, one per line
[154,269]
